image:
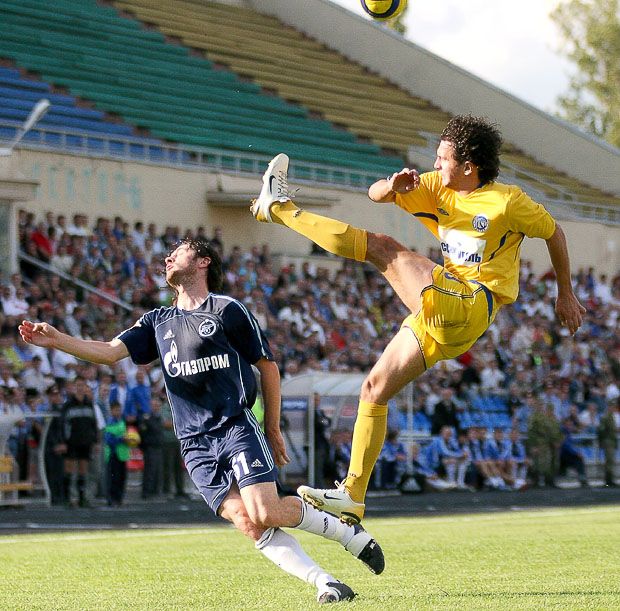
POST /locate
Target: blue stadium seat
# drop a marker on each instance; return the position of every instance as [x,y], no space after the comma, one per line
[499,404]
[465,419]
[421,422]
[18,95]
[588,453]
[477,403]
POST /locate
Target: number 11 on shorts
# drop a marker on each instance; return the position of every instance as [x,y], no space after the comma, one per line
[239,465]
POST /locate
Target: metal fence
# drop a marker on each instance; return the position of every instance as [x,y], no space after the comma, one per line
[567,206]
[151,151]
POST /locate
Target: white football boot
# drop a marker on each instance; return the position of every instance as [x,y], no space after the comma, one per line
[275,188]
[336,501]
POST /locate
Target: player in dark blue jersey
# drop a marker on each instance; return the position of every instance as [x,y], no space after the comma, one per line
[207,344]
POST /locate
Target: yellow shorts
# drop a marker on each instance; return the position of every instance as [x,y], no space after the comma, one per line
[454,314]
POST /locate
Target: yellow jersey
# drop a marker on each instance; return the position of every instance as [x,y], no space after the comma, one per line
[480,233]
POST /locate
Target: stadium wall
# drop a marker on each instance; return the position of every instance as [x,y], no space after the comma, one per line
[455,90]
[171,196]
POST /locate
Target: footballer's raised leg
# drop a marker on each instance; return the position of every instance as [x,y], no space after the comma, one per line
[274,205]
[336,501]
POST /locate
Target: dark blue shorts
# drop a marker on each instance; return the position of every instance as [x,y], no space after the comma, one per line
[238,452]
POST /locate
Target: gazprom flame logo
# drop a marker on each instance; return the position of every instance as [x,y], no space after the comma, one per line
[171,361]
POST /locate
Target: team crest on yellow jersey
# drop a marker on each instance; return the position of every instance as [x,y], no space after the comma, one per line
[480,223]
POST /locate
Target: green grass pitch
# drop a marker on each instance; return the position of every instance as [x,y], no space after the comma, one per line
[565,559]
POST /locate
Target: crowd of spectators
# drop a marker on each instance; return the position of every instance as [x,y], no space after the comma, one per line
[476,409]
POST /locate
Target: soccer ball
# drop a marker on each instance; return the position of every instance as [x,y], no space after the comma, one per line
[383,9]
[132,437]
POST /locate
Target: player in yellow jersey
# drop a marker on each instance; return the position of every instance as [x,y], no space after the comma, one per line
[480,225]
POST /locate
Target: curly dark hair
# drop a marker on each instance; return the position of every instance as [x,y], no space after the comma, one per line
[203,248]
[477,140]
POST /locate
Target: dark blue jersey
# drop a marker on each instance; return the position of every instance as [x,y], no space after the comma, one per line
[206,355]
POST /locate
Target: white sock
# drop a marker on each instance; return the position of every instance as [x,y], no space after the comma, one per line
[284,551]
[513,471]
[522,472]
[451,472]
[324,524]
[498,482]
[462,470]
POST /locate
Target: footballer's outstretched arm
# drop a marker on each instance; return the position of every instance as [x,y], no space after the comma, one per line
[45,335]
[270,388]
[567,307]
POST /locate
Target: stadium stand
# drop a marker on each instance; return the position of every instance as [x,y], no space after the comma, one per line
[302,70]
[200,96]
[164,88]
[19,94]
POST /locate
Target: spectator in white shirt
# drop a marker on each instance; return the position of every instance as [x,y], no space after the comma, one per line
[158,245]
[138,235]
[492,378]
[79,227]
[14,305]
[32,376]
[61,225]
[63,365]
[612,392]
[602,290]
[589,419]
[62,260]
[6,375]
[339,306]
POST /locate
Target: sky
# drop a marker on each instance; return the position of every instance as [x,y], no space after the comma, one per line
[512,45]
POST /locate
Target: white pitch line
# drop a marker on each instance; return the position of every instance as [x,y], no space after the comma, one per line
[525,514]
[116,534]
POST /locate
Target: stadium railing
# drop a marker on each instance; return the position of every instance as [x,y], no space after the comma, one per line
[9,486]
[36,486]
[83,285]
[115,147]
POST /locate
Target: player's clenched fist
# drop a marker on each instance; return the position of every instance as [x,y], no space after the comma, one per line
[404,181]
[38,333]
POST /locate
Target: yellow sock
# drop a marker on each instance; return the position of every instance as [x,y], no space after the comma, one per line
[368,437]
[334,236]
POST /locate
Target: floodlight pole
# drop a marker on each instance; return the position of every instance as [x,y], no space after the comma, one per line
[35,115]
[14,188]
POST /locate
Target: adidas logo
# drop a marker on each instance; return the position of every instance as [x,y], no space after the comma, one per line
[257,463]
[169,335]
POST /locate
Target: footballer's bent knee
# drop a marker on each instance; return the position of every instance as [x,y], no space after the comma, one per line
[382,249]
[242,521]
[264,517]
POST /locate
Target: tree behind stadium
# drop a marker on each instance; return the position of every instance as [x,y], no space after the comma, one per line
[591,33]
[398,23]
